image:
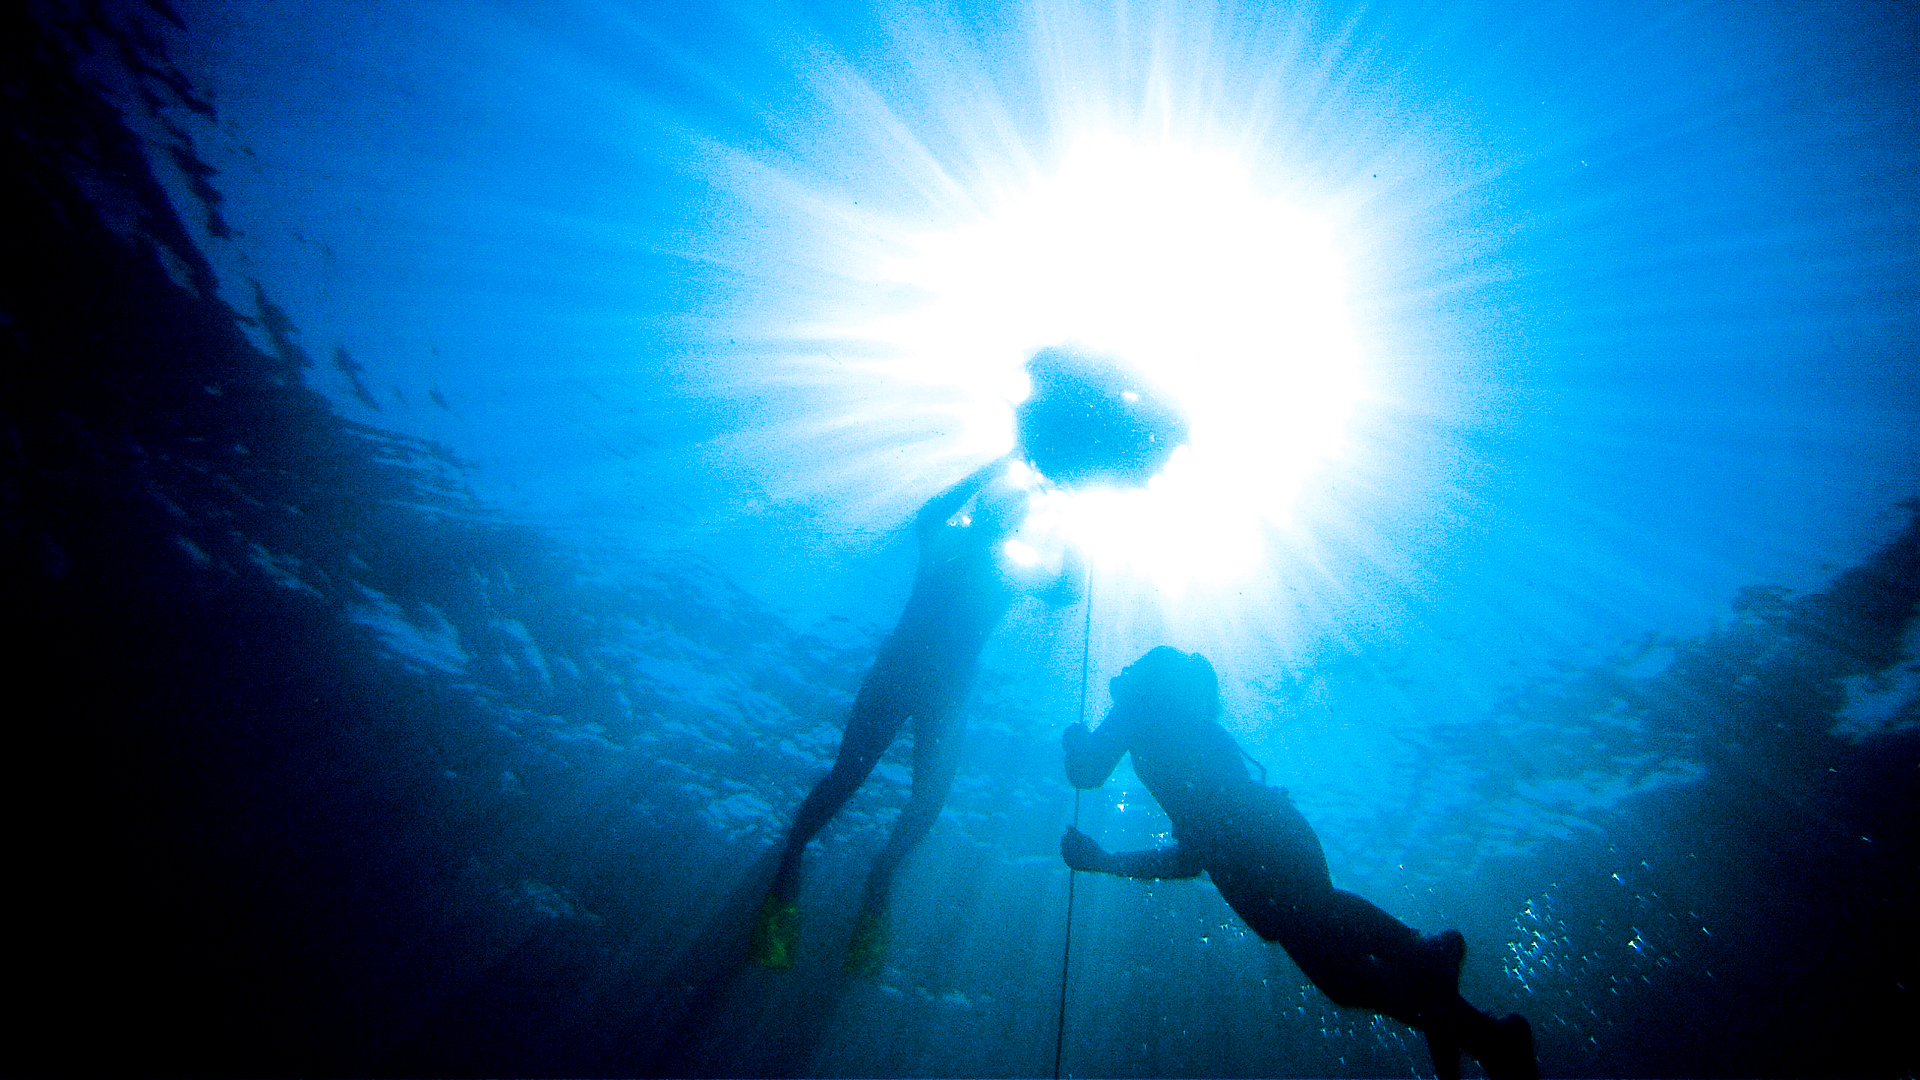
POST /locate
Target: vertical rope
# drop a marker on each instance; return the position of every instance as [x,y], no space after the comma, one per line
[1066,951]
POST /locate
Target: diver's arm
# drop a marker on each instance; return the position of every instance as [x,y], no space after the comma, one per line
[1092,755]
[942,506]
[1083,852]
[1066,589]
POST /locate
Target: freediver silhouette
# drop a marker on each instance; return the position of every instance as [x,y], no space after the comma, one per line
[1086,420]
[1268,864]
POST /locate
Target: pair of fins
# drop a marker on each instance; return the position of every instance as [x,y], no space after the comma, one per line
[1508,1054]
[1506,1049]
[776,938]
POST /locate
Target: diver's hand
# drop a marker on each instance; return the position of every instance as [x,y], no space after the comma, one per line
[1066,591]
[1074,738]
[1082,852]
[1082,772]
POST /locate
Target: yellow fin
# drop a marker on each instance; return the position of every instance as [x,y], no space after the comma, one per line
[776,933]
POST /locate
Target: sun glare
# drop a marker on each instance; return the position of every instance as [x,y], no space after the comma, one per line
[1232,300]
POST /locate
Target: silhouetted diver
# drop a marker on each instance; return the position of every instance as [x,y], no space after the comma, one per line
[924,672]
[1269,867]
[1088,419]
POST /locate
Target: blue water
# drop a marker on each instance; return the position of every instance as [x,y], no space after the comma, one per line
[1595,640]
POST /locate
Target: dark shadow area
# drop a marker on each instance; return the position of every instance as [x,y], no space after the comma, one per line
[274,843]
[1767,910]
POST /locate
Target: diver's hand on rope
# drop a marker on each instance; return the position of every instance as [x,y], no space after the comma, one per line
[1074,739]
[1082,852]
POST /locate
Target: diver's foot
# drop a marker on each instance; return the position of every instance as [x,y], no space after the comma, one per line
[1444,1048]
[776,933]
[868,949]
[1510,1055]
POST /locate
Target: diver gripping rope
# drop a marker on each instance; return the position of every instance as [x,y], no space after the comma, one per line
[1066,951]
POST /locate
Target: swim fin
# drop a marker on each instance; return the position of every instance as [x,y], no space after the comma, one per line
[868,949]
[1511,1056]
[776,933]
[1444,1048]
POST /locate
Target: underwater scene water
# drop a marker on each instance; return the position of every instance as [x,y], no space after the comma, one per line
[463,461]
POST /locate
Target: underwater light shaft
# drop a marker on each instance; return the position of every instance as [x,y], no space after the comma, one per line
[1167,257]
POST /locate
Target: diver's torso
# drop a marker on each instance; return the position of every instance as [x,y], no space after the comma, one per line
[961,591]
[1233,823]
[1192,767]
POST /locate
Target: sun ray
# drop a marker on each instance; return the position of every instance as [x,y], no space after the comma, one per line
[1133,189]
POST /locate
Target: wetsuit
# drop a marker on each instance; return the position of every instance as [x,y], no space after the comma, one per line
[1269,867]
[1261,854]
[924,671]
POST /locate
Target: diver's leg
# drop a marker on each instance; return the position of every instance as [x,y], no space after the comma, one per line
[1385,964]
[1275,877]
[1364,958]
[1369,928]
[936,758]
[1429,965]
[1416,979]
[1359,955]
[1503,1047]
[1331,955]
[1347,974]
[871,726]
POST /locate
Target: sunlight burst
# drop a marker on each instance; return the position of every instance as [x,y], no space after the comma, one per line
[1167,256]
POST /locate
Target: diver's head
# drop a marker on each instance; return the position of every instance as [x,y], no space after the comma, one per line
[1169,682]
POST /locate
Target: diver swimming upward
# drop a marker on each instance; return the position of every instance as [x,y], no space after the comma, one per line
[923,673]
[1085,421]
[1269,867]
